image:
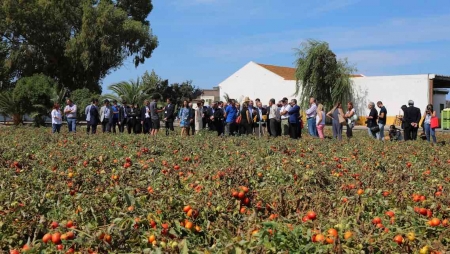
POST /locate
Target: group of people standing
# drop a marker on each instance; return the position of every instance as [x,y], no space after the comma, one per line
[231,118]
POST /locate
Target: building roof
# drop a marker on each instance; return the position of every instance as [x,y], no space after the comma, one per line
[288,73]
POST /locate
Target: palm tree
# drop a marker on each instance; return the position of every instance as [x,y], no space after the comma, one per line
[10,107]
[226,97]
[133,92]
[321,75]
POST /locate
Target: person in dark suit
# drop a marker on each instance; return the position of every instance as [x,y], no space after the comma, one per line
[169,116]
[217,118]
[411,118]
[191,120]
[123,117]
[94,119]
[260,122]
[131,118]
[146,121]
[294,114]
[210,114]
[205,116]
[137,119]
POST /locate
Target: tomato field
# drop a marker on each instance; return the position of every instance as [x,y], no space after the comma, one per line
[205,194]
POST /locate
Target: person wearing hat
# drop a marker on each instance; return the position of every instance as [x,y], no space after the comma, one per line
[411,118]
[105,114]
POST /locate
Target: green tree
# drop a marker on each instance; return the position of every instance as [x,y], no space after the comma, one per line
[321,75]
[9,107]
[75,42]
[132,92]
[33,95]
[184,91]
[82,98]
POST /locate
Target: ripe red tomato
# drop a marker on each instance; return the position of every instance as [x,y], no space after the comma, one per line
[398,239]
[311,215]
[376,220]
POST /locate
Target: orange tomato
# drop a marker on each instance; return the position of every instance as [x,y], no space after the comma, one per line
[332,232]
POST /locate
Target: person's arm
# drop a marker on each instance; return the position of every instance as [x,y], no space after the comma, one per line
[371,114]
[293,110]
[74,109]
[225,113]
[320,116]
[350,114]
[311,109]
[434,114]
[381,115]
[330,113]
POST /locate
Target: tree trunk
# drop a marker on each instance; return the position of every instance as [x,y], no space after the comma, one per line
[17,119]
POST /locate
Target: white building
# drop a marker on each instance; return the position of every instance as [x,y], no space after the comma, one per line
[268,81]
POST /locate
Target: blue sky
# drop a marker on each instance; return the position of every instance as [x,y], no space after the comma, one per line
[208,40]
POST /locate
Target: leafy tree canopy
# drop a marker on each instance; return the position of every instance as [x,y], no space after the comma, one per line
[34,94]
[75,42]
[321,75]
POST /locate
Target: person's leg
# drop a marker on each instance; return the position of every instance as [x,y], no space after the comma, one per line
[427,131]
[414,133]
[171,126]
[74,126]
[69,125]
[94,129]
[88,128]
[310,126]
[58,128]
[273,130]
[406,133]
[314,127]
[339,131]
[370,132]
[53,128]
[320,130]
[433,134]
[227,129]
[348,131]
[381,133]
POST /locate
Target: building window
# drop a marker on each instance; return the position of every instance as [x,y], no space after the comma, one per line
[441,107]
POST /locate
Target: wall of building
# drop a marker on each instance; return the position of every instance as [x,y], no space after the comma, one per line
[393,91]
[255,81]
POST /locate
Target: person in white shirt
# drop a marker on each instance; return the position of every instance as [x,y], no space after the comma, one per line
[273,122]
[56,118]
[71,114]
[311,117]
[285,117]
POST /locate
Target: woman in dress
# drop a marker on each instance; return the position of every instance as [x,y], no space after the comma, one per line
[246,120]
[184,118]
[429,113]
[199,117]
[56,118]
[320,121]
[337,126]
[349,116]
